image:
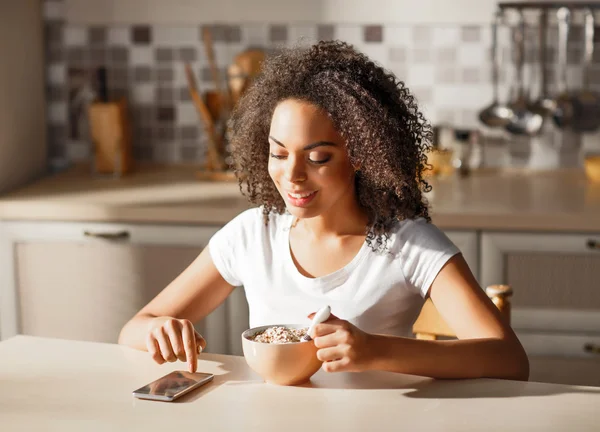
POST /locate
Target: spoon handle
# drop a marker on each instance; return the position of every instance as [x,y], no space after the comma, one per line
[588,46]
[321,316]
[543,31]
[496,52]
[563,16]
[519,41]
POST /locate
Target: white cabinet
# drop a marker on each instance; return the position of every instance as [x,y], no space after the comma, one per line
[84,281]
[556,283]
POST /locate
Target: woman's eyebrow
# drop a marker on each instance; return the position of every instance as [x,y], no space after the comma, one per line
[310,146]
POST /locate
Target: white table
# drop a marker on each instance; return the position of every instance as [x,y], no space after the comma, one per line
[59,385]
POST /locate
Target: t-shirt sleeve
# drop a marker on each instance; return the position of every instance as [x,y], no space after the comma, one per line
[230,243]
[424,249]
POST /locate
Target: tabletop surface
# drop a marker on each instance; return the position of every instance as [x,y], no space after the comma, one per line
[52,384]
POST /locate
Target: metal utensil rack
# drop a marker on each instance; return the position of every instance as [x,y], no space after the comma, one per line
[547,5]
[515,14]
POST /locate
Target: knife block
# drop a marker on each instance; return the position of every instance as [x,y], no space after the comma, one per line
[111,138]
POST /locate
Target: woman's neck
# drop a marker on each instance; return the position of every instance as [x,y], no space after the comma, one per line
[340,220]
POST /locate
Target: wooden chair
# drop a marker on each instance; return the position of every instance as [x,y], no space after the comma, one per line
[430,325]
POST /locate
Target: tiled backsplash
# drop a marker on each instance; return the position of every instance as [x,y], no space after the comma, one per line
[447,68]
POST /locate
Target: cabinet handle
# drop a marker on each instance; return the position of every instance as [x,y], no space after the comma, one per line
[593,244]
[591,348]
[119,235]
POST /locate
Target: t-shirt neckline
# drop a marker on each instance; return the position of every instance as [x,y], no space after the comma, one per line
[341,273]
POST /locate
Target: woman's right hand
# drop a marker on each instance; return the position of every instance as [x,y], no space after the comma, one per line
[170,339]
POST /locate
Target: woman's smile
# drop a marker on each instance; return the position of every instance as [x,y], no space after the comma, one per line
[301,199]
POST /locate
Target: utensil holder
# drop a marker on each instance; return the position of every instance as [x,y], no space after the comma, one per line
[111,138]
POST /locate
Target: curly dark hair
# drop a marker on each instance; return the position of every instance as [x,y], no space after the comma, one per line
[385,133]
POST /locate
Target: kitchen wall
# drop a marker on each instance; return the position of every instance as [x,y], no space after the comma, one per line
[261,11]
[443,58]
[22,110]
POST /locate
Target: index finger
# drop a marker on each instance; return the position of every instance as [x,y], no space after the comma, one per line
[326,328]
[189,344]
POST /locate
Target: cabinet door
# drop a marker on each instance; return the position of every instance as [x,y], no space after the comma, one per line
[84,281]
[556,283]
[565,370]
[467,242]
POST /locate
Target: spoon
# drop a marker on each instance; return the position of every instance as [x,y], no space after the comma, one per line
[321,316]
[544,105]
[524,121]
[496,114]
[563,115]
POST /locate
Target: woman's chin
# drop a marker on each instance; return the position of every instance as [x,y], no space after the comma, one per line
[303,212]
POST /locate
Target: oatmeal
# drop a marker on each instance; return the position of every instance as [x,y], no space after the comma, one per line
[279,335]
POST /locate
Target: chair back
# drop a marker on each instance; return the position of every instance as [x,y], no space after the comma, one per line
[430,325]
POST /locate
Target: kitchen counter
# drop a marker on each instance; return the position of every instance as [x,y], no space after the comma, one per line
[60,385]
[561,200]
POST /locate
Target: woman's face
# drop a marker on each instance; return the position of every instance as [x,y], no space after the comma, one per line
[308,161]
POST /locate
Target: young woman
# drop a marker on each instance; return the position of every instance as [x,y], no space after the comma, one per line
[331,148]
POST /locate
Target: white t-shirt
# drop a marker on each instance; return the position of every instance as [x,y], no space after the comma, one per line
[379,292]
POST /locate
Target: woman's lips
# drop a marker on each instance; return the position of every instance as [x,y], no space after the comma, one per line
[301,199]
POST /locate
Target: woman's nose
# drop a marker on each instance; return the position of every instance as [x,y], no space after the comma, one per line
[295,170]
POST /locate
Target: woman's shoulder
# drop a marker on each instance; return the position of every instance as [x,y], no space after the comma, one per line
[417,233]
[404,226]
[253,220]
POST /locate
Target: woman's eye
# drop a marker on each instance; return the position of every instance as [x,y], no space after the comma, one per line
[276,156]
[318,158]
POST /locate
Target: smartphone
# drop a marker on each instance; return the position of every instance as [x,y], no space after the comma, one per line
[172,386]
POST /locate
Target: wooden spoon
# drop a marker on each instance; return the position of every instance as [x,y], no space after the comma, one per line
[214,160]
[250,62]
[214,70]
[245,68]
[237,82]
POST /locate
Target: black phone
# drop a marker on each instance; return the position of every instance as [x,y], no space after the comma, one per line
[172,386]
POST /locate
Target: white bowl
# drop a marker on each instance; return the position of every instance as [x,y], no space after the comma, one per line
[284,363]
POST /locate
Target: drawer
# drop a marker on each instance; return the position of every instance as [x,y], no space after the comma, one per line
[563,370]
[560,344]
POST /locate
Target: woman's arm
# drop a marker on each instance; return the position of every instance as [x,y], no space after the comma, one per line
[194,294]
[487,346]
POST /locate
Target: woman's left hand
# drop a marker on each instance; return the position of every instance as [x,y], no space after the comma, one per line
[343,347]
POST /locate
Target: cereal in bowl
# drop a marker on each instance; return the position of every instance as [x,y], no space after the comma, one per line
[279,335]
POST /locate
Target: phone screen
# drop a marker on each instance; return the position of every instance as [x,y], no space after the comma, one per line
[172,385]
